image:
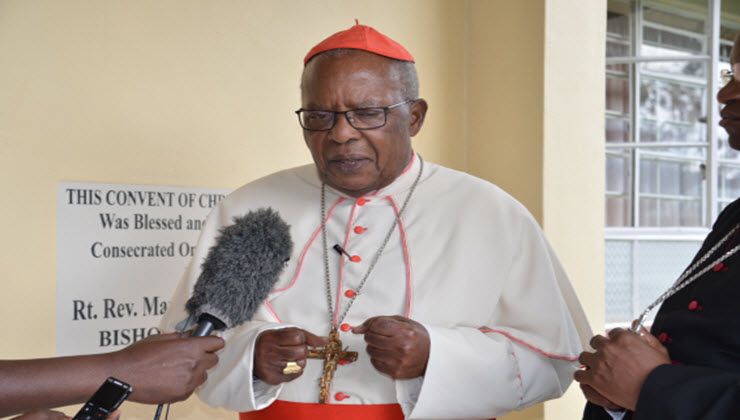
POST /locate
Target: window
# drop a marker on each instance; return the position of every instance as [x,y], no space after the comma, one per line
[669,170]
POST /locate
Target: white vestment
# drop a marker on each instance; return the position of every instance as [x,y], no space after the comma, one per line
[467,261]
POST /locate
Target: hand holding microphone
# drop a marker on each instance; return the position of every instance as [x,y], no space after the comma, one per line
[161,368]
[238,274]
[166,368]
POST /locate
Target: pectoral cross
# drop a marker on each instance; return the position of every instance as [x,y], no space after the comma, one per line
[332,355]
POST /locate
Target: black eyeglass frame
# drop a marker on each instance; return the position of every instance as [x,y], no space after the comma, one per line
[349,120]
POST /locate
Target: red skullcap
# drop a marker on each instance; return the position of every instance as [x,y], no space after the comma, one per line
[361,37]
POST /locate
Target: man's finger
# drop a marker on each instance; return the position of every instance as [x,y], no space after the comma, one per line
[365,326]
[289,353]
[210,343]
[289,336]
[651,339]
[380,341]
[210,360]
[616,332]
[164,336]
[313,340]
[582,376]
[386,325]
[598,341]
[379,352]
[587,358]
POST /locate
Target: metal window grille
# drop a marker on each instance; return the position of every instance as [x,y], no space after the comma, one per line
[669,171]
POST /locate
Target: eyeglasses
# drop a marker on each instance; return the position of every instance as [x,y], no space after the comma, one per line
[360,118]
[726,75]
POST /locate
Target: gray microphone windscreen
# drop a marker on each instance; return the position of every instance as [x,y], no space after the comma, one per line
[241,268]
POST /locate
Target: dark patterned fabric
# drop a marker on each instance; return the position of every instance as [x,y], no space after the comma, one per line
[700,327]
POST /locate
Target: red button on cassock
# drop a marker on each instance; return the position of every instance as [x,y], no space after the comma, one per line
[359,229]
[345,327]
[355,258]
[362,201]
[350,293]
[339,396]
[718,267]
[693,305]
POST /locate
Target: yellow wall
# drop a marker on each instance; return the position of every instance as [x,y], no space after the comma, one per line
[535,127]
[574,164]
[201,93]
[505,97]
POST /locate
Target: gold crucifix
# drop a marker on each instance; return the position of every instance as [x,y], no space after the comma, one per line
[332,355]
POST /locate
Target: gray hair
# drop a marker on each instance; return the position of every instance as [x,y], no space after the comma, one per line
[406,71]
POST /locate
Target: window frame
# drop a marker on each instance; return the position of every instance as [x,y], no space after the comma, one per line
[712,188]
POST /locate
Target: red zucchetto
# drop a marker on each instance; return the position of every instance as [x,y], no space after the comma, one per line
[361,37]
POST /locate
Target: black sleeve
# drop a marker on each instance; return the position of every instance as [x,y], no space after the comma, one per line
[689,392]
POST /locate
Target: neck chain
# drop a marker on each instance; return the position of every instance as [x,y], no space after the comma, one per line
[687,277]
[375,258]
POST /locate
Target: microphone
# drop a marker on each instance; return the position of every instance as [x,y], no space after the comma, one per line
[239,271]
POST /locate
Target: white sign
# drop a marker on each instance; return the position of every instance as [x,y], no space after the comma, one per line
[121,250]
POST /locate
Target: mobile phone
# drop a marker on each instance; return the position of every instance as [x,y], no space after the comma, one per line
[105,400]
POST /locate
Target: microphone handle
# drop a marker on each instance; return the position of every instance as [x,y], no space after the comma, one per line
[206,324]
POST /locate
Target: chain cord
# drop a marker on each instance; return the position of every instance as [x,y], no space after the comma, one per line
[682,281]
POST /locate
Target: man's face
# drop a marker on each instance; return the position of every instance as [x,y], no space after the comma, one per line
[353,161]
[730,96]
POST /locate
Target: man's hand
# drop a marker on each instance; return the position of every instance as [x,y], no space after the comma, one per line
[398,346]
[620,365]
[44,415]
[166,368]
[275,348]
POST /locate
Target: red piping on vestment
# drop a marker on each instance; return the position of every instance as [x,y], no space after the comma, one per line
[405,257]
[556,356]
[318,230]
[403,240]
[303,256]
[413,157]
[519,374]
[272,311]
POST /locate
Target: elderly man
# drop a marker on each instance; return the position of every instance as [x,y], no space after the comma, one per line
[688,365]
[423,292]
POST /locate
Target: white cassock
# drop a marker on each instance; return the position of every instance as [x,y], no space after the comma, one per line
[467,261]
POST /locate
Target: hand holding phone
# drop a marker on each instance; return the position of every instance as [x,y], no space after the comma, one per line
[106,399]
